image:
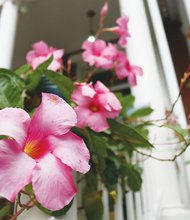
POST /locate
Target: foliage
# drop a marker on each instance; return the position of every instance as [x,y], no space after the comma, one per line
[111,150]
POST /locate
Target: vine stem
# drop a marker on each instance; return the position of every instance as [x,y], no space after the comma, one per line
[89,75]
[183,81]
[164,159]
[26,206]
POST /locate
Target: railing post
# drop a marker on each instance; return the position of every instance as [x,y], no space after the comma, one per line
[162,183]
[171,81]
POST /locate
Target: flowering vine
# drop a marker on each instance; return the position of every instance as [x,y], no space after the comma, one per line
[53,125]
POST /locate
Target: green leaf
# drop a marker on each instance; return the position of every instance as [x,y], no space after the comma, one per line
[3,137]
[142,129]
[92,201]
[99,144]
[29,188]
[64,84]
[180,132]
[134,179]
[33,79]
[129,134]
[110,175]
[91,179]
[23,69]
[5,211]
[45,64]
[141,112]
[126,102]
[11,88]
[55,213]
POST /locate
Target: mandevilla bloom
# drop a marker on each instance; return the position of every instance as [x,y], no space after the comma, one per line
[41,52]
[41,150]
[124,69]
[94,54]
[95,104]
[122,29]
[104,10]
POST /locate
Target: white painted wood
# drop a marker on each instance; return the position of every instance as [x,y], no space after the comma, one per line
[172,85]
[166,59]
[8,23]
[138,206]
[130,206]
[164,189]
[118,209]
[187,7]
[105,203]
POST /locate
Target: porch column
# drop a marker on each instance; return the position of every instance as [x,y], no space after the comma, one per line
[163,192]
[169,76]
[8,23]
[187,7]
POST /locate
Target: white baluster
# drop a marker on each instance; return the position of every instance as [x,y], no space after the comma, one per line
[105,203]
[118,209]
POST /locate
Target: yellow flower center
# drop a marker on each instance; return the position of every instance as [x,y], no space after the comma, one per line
[34,149]
[93,108]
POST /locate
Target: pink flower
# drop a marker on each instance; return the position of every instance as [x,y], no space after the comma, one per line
[122,30]
[104,10]
[99,54]
[41,151]
[41,52]
[95,104]
[124,69]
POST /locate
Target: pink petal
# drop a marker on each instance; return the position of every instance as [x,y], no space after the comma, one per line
[122,21]
[57,54]
[40,48]
[104,10]
[132,79]
[110,102]
[38,60]
[110,52]
[88,57]
[55,65]
[30,56]
[72,151]
[53,183]
[134,72]
[82,116]
[122,41]
[99,46]
[83,94]
[97,122]
[14,122]
[87,45]
[53,117]
[15,169]
[88,90]
[103,62]
[121,71]
[137,70]
[100,87]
